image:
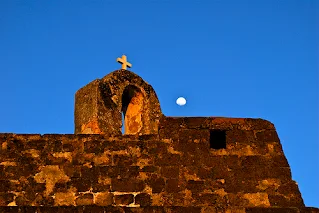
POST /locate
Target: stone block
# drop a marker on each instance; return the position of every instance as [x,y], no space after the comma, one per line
[240,136]
[71,170]
[260,173]
[267,136]
[172,186]
[195,186]
[186,147]
[53,145]
[196,122]
[64,199]
[237,200]
[167,160]
[81,184]
[13,172]
[101,187]
[157,148]
[148,137]
[42,200]
[173,199]
[234,185]
[103,199]
[84,199]
[35,144]
[255,160]
[222,161]
[93,147]
[5,186]
[157,184]
[143,199]
[170,171]
[169,133]
[170,122]
[6,198]
[203,172]
[210,199]
[29,169]
[259,124]
[223,123]
[109,171]
[286,201]
[62,187]
[124,199]
[5,137]
[194,135]
[127,185]
[68,147]
[128,172]
[150,169]
[91,174]
[290,187]
[123,160]
[279,161]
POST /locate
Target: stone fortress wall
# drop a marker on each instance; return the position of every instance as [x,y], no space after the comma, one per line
[160,164]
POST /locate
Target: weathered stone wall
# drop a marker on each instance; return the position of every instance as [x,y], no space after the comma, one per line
[152,173]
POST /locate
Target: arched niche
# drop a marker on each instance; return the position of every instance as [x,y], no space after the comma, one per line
[133,108]
[100,104]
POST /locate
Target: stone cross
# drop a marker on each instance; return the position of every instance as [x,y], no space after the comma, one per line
[124,62]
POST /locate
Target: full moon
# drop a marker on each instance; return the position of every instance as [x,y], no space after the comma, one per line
[181,101]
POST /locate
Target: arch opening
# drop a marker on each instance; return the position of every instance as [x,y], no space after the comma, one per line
[132,109]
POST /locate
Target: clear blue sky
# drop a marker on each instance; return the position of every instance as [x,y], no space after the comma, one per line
[229,58]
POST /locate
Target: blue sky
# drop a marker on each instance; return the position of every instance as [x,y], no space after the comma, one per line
[229,58]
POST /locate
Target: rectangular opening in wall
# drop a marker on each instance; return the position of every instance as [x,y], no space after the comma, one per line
[217,139]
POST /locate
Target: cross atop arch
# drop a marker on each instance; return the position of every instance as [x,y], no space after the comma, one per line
[124,62]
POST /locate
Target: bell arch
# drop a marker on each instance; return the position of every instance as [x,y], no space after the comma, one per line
[100,104]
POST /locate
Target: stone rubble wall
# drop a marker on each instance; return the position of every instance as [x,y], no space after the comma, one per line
[174,171]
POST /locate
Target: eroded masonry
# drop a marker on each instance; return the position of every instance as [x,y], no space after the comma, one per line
[159,163]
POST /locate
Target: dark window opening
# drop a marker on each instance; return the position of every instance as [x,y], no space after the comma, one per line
[217,139]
